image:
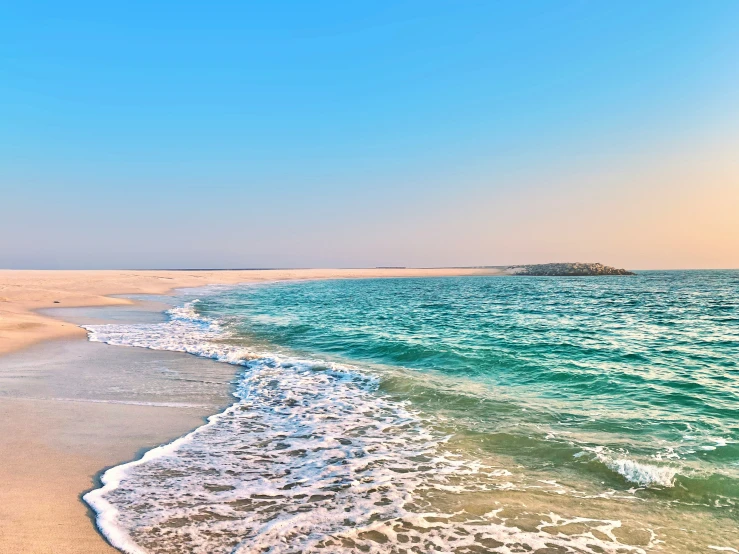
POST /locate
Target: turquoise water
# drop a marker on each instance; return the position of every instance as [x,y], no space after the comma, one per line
[650,365]
[565,414]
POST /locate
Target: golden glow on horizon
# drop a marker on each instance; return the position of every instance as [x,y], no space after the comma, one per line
[656,210]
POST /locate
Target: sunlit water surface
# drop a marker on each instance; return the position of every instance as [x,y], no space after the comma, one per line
[471,414]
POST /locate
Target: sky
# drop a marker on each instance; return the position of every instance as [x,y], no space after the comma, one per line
[367,133]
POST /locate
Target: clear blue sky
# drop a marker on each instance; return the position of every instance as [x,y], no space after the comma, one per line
[253,134]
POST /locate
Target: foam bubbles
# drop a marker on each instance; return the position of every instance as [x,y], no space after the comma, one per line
[311,458]
[639,473]
[645,475]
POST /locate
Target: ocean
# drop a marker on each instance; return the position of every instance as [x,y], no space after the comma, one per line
[454,414]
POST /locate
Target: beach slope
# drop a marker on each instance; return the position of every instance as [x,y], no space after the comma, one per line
[70,408]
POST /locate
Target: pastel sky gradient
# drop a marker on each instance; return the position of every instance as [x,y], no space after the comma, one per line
[364,133]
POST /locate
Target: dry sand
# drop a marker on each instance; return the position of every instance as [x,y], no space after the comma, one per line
[70,408]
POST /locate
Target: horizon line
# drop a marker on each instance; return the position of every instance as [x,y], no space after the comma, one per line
[298,268]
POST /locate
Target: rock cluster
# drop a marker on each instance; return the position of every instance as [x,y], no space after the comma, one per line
[567,270]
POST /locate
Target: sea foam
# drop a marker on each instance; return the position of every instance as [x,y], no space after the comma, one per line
[639,473]
[310,458]
[645,475]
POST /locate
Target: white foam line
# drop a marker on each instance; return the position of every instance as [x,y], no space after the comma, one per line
[107,513]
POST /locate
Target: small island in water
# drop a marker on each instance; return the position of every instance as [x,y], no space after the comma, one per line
[576,269]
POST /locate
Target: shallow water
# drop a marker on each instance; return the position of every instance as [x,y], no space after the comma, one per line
[474,414]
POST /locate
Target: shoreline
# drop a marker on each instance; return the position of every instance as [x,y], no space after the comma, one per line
[57,448]
[24,292]
[71,409]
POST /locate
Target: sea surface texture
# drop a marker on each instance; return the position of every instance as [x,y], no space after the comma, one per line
[462,415]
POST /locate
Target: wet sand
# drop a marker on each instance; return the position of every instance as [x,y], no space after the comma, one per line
[70,408]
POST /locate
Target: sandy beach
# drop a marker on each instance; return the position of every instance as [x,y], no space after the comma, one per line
[404,278]
[22,292]
[70,408]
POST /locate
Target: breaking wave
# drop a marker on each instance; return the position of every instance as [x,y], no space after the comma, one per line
[311,458]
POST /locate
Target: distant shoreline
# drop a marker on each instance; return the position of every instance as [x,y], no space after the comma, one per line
[24,292]
[571,269]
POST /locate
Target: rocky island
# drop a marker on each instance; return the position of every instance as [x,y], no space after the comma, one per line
[576,269]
